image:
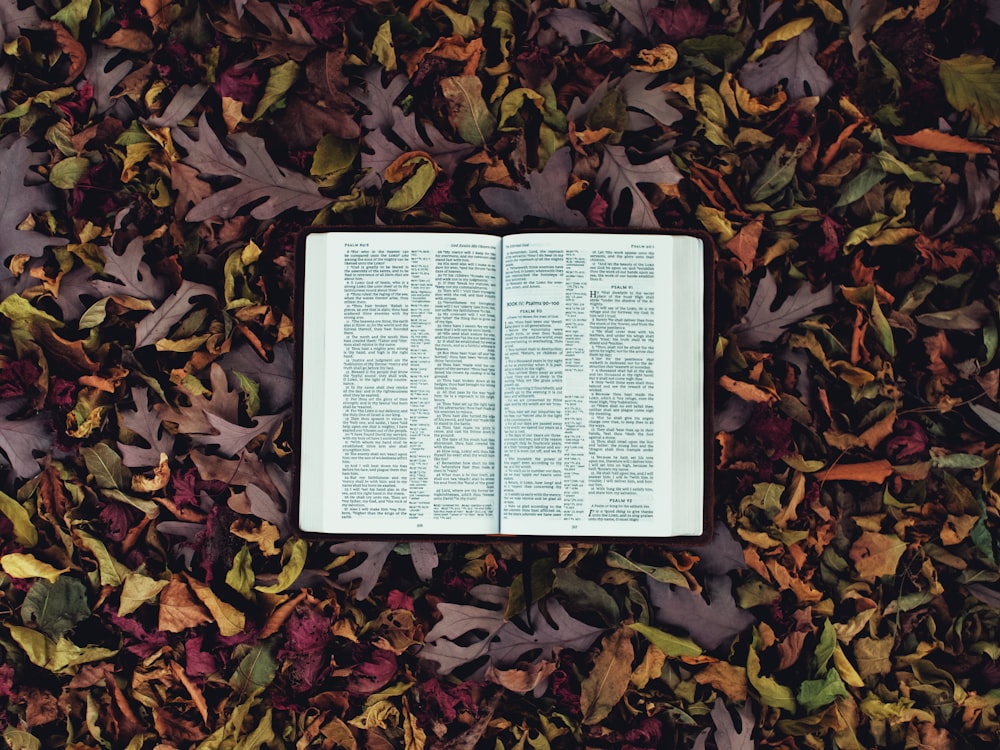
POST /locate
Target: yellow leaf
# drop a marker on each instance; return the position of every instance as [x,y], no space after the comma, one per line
[55,656]
[229,619]
[138,590]
[294,552]
[25,532]
[23,565]
[656,60]
[782,34]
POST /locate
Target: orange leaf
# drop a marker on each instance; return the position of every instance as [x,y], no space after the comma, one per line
[179,610]
[865,471]
[744,244]
[71,48]
[934,140]
[875,555]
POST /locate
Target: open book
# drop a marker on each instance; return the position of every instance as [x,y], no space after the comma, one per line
[540,383]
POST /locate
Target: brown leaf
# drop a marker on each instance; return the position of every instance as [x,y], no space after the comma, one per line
[607,682]
[875,472]
[71,48]
[521,680]
[875,555]
[726,678]
[179,610]
[744,244]
[935,140]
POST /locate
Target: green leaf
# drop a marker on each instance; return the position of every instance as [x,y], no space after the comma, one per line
[54,608]
[241,576]
[279,81]
[382,47]
[662,574]
[294,553]
[251,391]
[825,647]
[772,693]
[67,172]
[106,467]
[255,671]
[778,172]
[583,597]
[668,643]
[414,188]
[815,694]
[972,84]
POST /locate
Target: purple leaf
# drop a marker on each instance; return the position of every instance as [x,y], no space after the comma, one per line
[232,438]
[637,13]
[710,623]
[145,423]
[270,189]
[103,75]
[20,438]
[573,25]
[380,99]
[22,192]
[13,20]
[133,274]
[795,64]
[722,554]
[761,323]
[622,175]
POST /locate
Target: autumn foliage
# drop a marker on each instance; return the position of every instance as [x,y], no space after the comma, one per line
[157,159]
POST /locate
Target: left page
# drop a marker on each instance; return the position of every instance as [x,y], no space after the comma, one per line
[399,428]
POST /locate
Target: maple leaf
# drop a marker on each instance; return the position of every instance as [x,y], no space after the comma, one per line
[22,192]
[147,424]
[21,438]
[270,190]
[710,623]
[158,323]
[544,198]
[133,274]
[621,175]
[505,641]
[795,65]
[762,324]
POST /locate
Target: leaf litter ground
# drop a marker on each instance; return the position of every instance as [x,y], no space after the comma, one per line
[158,158]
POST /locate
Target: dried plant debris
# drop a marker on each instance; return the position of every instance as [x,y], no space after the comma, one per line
[158,159]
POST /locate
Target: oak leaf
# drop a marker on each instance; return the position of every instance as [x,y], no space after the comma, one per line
[13,20]
[158,323]
[22,192]
[148,425]
[763,324]
[621,175]
[270,25]
[726,735]
[795,66]
[505,641]
[267,189]
[710,622]
[21,438]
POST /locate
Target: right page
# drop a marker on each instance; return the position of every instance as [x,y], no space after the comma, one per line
[603,385]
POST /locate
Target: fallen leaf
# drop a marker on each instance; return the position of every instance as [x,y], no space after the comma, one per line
[605,686]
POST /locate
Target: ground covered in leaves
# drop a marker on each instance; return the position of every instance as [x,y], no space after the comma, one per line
[158,158]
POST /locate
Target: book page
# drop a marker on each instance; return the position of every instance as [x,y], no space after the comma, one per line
[400,405]
[602,413]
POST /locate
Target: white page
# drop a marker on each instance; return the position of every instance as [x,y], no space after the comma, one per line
[602,414]
[400,417]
